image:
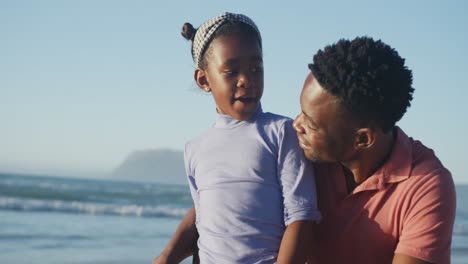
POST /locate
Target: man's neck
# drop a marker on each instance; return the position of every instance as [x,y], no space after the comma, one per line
[369,161]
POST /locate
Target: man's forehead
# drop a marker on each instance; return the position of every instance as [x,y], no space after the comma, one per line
[314,96]
[311,90]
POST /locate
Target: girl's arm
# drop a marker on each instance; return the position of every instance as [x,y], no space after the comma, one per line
[296,177]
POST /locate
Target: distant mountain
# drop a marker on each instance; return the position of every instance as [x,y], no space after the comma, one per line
[155,165]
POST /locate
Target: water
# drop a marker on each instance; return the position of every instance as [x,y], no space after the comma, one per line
[61,220]
[80,221]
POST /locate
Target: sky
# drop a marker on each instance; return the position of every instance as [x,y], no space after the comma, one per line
[85,83]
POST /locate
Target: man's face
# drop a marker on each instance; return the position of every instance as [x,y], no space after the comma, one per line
[324,133]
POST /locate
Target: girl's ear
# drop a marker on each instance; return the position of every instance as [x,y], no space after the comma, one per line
[202,80]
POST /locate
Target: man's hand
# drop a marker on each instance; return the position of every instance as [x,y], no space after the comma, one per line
[296,242]
[183,242]
[161,259]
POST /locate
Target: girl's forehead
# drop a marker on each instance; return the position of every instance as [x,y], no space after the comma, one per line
[239,36]
[235,45]
[229,54]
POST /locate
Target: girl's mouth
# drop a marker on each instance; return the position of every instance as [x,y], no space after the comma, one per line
[246,100]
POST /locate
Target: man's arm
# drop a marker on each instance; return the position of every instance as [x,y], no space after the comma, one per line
[182,243]
[427,228]
[296,242]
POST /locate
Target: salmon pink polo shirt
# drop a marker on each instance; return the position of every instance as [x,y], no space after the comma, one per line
[406,207]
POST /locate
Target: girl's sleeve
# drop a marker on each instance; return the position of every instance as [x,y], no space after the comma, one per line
[189,171]
[296,177]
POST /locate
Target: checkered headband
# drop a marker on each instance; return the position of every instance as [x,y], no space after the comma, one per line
[206,31]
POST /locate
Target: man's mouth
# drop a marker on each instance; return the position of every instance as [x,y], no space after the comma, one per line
[303,145]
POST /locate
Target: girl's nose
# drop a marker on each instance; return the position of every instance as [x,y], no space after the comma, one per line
[245,80]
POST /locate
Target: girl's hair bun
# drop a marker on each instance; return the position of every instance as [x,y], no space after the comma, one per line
[188,31]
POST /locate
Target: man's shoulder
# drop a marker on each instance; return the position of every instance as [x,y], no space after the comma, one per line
[412,159]
[425,164]
[428,182]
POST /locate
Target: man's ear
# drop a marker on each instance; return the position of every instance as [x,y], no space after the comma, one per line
[202,80]
[364,138]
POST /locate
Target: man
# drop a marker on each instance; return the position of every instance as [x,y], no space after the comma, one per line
[384,197]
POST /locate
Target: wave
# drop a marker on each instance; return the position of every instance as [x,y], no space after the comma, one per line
[29,237]
[20,204]
[93,191]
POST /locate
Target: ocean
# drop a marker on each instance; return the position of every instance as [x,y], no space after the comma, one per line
[52,220]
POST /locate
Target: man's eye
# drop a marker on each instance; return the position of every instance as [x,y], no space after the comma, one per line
[230,72]
[309,126]
[257,69]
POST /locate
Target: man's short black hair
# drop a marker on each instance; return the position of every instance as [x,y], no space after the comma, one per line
[369,79]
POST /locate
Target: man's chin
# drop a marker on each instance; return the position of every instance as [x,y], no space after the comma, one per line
[314,158]
[311,157]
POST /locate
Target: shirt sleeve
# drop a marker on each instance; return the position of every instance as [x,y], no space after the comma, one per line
[296,177]
[191,180]
[427,228]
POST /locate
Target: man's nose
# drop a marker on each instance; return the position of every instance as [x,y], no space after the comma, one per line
[297,124]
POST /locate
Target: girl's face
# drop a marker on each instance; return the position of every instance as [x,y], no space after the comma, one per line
[234,75]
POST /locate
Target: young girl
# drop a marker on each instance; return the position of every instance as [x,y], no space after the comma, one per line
[253,190]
